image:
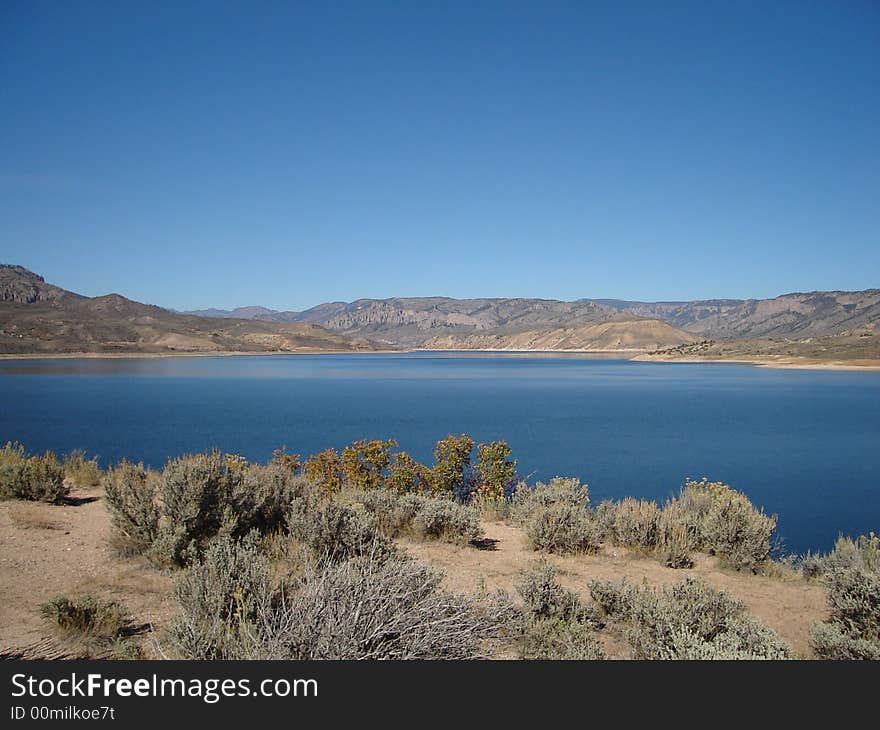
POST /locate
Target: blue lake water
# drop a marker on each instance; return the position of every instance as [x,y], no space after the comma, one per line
[803,444]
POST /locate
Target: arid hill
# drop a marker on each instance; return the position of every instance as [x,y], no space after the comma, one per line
[620,333]
[429,321]
[36,317]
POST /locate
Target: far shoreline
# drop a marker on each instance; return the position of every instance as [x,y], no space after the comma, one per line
[633,355]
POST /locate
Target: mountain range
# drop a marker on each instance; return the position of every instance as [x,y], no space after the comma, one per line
[550,324]
[38,317]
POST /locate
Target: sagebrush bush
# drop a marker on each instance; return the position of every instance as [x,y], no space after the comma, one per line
[527,500]
[556,625]
[171,517]
[131,499]
[34,478]
[637,523]
[259,497]
[863,552]
[544,597]
[194,491]
[443,519]
[220,598]
[675,547]
[563,527]
[688,620]
[369,607]
[82,471]
[422,516]
[337,532]
[382,609]
[830,641]
[723,522]
[852,586]
[560,640]
[85,617]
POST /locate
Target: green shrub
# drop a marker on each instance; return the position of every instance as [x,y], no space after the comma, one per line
[407,475]
[363,464]
[740,535]
[688,620]
[496,471]
[324,470]
[563,528]
[34,478]
[82,471]
[451,472]
[12,453]
[131,499]
[85,617]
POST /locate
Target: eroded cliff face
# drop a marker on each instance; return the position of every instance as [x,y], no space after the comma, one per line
[21,286]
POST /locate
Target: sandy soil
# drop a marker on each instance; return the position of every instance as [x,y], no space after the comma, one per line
[787,606]
[46,550]
[50,549]
[785,363]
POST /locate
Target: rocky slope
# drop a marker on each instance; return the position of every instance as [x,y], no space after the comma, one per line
[620,333]
[36,317]
[430,321]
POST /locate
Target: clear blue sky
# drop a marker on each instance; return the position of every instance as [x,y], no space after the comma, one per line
[285,154]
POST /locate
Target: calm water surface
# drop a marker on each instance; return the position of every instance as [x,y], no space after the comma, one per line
[804,444]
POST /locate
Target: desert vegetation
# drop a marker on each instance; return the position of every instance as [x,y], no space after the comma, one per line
[93,626]
[305,559]
[31,477]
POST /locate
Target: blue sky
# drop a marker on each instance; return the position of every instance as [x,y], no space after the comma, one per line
[285,154]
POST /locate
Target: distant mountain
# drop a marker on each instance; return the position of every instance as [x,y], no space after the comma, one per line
[261,313]
[36,317]
[429,321]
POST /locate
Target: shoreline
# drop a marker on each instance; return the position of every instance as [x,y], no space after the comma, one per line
[632,355]
[193,353]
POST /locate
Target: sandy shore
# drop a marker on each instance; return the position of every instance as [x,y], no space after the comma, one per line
[786,363]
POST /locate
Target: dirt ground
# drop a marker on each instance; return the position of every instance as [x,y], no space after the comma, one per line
[46,550]
[50,549]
